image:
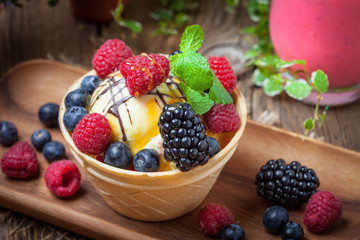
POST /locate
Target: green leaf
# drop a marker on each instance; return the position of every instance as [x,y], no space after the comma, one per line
[218,93]
[298,89]
[320,80]
[258,78]
[200,103]
[192,38]
[193,69]
[273,85]
[309,124]
[133,25]
[323,115]
[118,11]
[161,14]
[181,18]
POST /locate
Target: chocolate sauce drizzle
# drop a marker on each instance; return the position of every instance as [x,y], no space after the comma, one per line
[117,86]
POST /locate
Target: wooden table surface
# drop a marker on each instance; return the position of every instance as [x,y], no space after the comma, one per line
[38,31]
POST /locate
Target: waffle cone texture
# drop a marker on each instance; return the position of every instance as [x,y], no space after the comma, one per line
[154,196]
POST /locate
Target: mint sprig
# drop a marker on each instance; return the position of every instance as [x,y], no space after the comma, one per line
[195,73]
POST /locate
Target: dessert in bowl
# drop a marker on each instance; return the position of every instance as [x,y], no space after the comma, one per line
[173,189]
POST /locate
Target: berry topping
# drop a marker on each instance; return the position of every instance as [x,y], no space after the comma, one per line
[118,154]
[213,218]
[19,161]
[175,52]
[100,158]
[322,210]
[275,218]
[223,72]
[233,232]
[146,160]
[292,231]
[185,142]
[8,133]
[39,138]
[287,184]
[214,146]
[109,56]
[222,118]
[144,73]
[92,134]
[62,178]
[89,83]
[78,97]
[72,117]
[53,151]
[48,114]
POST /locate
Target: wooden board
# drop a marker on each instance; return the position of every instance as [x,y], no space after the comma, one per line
[31,84]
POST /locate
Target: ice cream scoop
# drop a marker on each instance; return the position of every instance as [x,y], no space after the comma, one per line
[133,119]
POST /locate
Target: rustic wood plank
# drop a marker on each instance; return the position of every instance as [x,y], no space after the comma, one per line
[37,31]
[87,213]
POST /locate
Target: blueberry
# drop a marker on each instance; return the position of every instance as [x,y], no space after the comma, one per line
[232,232]
[8,133]
[175,52]
[89,83]
[48,114]
[72,117]
[118,155]
[214,146]
[79,97]
[292,231]
[39,138]
[146,160]
[275,218]
[53,151]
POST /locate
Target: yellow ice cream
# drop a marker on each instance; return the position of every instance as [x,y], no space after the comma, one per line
[133,120]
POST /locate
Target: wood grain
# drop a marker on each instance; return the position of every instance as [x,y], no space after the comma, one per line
[38,31]
[86,213]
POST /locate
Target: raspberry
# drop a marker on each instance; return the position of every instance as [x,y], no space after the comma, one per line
[92,134]
[213,218]
[222,118]
[322,210]
[108,57]
[62,178]
[144,73]
[223,72]
[19,161]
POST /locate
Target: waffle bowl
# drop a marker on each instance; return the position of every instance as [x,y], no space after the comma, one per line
[154,196]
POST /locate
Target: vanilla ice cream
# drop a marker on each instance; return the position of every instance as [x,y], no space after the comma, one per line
[133,119]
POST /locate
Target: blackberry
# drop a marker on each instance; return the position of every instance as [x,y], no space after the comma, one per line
[183,132]
[286,184]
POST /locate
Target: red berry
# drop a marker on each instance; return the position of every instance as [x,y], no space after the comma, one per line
[108,57]
[322,210]
[100,158]
[213,218]
[92,134]
[223,72]
[222,118]
[62,178]
[19,161]
[144,73]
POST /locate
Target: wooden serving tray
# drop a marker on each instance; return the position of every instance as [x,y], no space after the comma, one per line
[31,84]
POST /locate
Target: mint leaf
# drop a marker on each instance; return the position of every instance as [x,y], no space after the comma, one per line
[309,124]
[193,69]
[218,93]
[200,103]
[273,85]
[258,78]
[320,80]
[192,38]
[298,89]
